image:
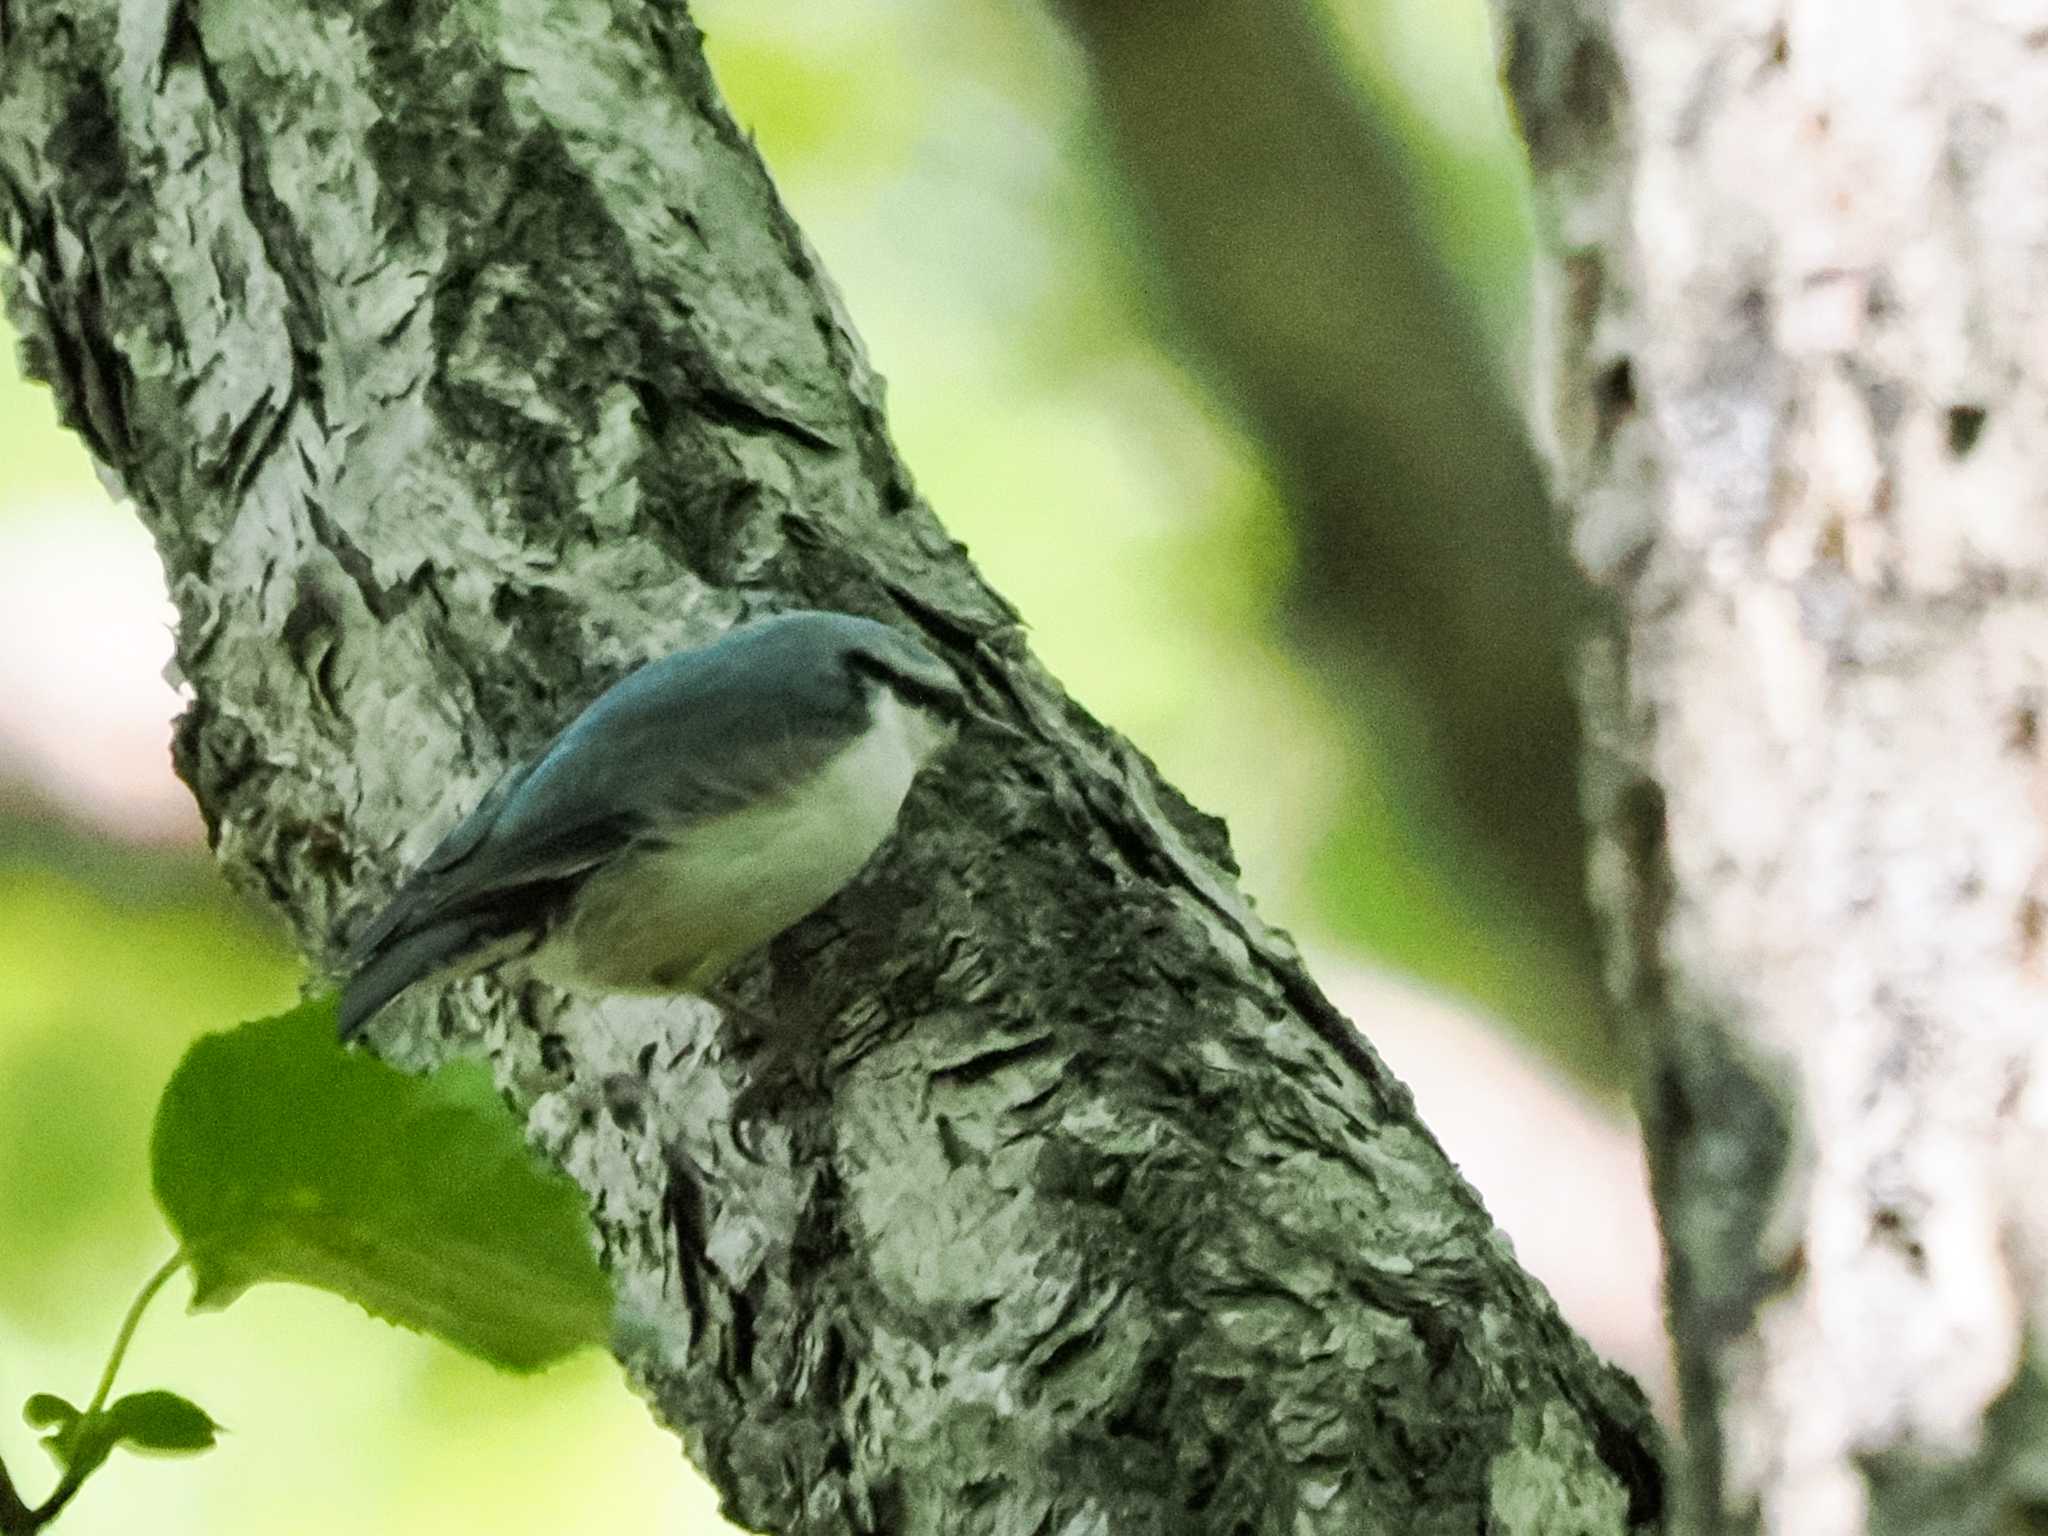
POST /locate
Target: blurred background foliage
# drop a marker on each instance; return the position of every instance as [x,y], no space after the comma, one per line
[1166,393]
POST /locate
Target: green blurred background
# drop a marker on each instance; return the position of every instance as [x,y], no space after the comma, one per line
[974,182]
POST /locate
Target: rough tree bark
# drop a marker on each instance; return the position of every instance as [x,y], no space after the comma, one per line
[461,357]
[1795,347]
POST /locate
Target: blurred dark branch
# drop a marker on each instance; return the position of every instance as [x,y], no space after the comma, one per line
[1288,232]
[13,1513]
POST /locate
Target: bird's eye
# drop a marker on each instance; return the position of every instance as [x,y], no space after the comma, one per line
[949,701]
[921,680]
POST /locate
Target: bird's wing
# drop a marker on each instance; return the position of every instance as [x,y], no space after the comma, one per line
[453,910]
[778,759]
[672,746]
[404,907]
[666,762]
[470,867]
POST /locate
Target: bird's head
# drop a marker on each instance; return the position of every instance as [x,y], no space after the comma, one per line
[879,656]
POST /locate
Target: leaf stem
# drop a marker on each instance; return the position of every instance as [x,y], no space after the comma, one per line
[29,1520]
[53,1506]
[14,1515]
[136,1308]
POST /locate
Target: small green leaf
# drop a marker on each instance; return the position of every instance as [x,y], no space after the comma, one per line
[47,1409]
[161,1421]
[77,1442]
[277,1155]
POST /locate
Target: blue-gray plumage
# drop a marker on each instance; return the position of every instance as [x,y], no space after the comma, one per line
[700,806]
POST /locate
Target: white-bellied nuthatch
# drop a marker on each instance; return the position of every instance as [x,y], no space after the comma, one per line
[699,807]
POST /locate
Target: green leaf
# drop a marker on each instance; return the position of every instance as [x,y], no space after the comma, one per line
[145,1421]
[277,1155]
[46,1409]
[162,1421]
[76,1440]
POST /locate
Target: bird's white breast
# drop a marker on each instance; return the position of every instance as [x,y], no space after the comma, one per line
[672,919]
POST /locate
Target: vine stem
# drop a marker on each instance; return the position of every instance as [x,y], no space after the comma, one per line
[15,1518]
[143,1298]
[14,1514]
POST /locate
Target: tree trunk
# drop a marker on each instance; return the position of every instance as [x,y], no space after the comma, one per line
[460,358]
[1796,259]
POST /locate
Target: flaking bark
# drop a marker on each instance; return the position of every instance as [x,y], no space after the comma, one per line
[459,358]
[1797,254]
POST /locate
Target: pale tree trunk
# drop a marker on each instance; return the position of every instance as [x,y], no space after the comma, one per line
[1797,259]
[460,358]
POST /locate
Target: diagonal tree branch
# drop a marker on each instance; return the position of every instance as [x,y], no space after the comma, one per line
[461,357]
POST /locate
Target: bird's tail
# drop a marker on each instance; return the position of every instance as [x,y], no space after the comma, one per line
[399,962]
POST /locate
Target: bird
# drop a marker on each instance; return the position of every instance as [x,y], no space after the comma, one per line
[698,807]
